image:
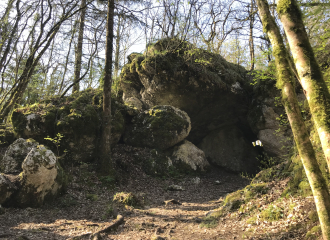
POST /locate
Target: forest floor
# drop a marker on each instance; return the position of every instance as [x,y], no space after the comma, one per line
[87,207]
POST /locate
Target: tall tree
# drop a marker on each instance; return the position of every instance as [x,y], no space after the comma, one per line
[309,72]
[105,158]
[79,48]
[251,42]
[285,82]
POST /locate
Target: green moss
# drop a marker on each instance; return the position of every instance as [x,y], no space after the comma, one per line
[254,189]
[127,199]
[233,201]
[252,220]
[305,188]
[272,213]
[314,233]
[313,216]
[211,221]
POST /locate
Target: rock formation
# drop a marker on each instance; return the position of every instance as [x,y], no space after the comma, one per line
[160,127]
[41,175]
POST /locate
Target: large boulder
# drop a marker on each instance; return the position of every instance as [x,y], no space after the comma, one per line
[77,118]
[203,84]
[40,175]
[188,154]
[42,178]
[229,148]
[160,127]
[15,155]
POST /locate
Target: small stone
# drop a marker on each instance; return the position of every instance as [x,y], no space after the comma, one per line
[217,182]
[196,180]
[175,188]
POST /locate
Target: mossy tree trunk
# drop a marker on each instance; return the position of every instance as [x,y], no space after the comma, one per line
[285,81]
[105,156]
[310,74]
[79,48]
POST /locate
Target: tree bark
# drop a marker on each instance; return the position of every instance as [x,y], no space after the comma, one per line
[118,37]
[309,72]
[105,157]
[285,82]
[79,49]
[251,43]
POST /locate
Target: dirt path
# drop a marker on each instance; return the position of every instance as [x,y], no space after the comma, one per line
[86,208]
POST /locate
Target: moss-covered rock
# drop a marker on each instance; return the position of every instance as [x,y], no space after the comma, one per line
[7,135]
[78,118]
[42,179]
[129,199]
[160,127]
[15,155]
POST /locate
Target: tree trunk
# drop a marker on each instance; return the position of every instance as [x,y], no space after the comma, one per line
[105,157]
[310,75]
[67,59]
[79,49]
[285,82]
[251,43]
[117,47]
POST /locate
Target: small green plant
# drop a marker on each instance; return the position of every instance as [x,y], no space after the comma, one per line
[252,220]
[210,221]
[126,199]
[314,233]
[272,213]
[56,140]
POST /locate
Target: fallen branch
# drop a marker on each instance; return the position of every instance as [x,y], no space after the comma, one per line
[96,235]
[119,220]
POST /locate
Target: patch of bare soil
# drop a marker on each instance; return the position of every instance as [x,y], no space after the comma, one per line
[87,208]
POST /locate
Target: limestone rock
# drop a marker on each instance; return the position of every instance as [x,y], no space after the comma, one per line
[7,188]
[42,178]
[160,127]
[228,148]
[189,154]
[265,123]
[15,155]
[203,84]
[134,105]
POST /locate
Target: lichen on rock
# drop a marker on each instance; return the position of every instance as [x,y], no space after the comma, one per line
[42,178]
[15,155]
